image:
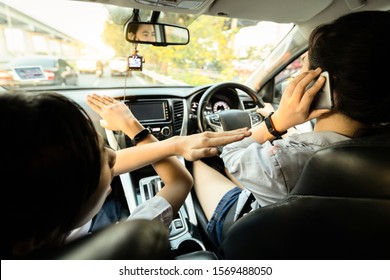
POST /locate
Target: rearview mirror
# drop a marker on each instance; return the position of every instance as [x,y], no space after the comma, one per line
[158,34]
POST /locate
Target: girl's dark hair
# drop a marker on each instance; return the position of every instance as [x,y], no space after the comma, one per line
[50,165]
[354,49]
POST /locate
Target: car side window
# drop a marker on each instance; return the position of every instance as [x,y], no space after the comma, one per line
[284,77]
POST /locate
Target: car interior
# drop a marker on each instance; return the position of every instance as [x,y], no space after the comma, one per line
[338,210]
[340,207]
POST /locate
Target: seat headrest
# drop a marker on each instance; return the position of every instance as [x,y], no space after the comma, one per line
[339,209]
[312,227]
[351,169]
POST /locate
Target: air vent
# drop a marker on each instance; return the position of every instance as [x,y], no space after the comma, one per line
[178,114]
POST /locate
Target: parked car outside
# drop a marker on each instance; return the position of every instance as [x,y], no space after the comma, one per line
[38,70]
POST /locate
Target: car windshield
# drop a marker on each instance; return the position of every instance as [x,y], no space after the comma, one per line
[71,44]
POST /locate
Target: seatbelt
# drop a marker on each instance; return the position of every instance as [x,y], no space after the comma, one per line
[247,206]
[229,219]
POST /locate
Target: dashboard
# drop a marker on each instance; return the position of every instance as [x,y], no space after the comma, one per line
[168,111]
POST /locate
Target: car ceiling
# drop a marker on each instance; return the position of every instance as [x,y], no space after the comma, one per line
[305,13]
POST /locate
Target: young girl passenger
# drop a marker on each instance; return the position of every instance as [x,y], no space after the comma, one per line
[57,171]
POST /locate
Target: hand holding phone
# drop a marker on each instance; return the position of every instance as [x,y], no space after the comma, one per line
[324,97]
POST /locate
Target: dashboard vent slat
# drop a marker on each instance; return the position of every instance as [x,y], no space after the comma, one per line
[178,114]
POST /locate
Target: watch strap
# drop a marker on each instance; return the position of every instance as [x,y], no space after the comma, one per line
[140,136]
[271,128]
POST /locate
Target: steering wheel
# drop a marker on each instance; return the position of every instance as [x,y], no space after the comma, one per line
[228,119]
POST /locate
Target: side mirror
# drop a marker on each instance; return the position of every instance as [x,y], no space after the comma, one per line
[157,34]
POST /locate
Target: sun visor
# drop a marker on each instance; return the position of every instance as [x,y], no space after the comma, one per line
[281,11]
[188,6]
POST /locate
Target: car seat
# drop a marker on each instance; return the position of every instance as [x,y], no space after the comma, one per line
[129,240]
[339,209]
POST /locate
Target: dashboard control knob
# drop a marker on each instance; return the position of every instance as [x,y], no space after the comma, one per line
[166,131]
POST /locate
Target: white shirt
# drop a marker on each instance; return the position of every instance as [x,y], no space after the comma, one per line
[155,208]
[270,170]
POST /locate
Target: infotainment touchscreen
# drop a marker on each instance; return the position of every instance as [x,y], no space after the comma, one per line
[149,111]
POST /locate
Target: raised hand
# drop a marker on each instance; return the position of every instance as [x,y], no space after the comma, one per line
[115,114]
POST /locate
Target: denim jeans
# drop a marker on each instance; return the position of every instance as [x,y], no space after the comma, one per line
[215,225]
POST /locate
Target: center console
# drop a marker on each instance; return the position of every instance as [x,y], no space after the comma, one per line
[156,114]
[183,237]
[165,119]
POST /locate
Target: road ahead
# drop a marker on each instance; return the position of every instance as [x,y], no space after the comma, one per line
[91,80]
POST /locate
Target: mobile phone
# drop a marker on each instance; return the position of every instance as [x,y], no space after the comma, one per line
[135,62]
[324,97]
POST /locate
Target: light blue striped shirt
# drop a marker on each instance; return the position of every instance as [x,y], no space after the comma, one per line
[270,170]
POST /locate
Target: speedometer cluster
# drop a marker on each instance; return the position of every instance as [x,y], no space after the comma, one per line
[225,99]
[212,107]
[220,106]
